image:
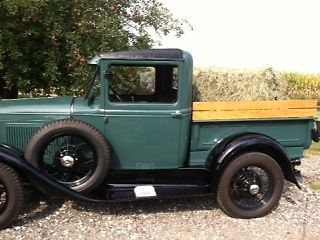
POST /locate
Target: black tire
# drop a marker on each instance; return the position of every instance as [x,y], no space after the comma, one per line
[250,186]
[71,152]
[11,195]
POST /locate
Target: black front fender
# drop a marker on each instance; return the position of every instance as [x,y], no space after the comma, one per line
[15,159]
[254,142]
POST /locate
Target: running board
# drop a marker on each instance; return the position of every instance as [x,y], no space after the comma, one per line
[133,192]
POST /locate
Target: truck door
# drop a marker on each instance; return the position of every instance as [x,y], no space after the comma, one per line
[143,115]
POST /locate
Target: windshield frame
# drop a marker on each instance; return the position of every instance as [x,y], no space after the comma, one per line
[90,88]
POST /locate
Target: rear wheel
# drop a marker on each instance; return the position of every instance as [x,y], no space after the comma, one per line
[250,186]
[11,195]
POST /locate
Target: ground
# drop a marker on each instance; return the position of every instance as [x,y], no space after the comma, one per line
[297,217]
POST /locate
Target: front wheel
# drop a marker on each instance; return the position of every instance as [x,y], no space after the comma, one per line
[250,186]
[11,195]
[71,152]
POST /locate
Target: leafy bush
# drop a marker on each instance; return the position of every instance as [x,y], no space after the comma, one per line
[233,85]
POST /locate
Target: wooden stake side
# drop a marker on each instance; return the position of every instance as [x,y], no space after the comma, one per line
[204,111]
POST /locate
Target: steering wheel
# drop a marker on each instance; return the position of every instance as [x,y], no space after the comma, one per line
[115,93]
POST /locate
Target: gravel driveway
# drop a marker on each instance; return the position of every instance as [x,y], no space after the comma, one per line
[297,217]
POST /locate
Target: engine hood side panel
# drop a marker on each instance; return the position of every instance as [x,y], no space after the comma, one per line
[20,119]
[50,105]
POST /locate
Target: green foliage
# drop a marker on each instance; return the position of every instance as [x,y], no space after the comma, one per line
[233,85]
[315,186]
[45,44]
[303,85]
[128,79]
[313,150]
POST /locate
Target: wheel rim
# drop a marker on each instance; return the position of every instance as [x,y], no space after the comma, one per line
[69,159]
[251,187]
[3,197]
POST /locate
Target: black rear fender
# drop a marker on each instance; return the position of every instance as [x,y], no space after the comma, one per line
[227,151]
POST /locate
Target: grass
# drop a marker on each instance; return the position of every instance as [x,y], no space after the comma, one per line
[315,186]
[314,149]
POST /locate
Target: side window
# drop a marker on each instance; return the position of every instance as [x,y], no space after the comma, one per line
[143,84]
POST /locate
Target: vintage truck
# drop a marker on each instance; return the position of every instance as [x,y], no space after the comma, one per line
[136,135]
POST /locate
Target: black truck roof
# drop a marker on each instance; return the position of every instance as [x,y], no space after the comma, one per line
[149,54]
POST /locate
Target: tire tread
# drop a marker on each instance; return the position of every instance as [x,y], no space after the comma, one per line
[18,200]
[233,164]
[58,126]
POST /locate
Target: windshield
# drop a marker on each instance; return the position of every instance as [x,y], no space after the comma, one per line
[94,79]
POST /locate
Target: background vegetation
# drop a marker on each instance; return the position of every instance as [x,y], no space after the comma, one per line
[45,44]
[211,84]
[303,85]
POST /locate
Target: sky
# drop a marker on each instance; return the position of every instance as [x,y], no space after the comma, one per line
[250,34]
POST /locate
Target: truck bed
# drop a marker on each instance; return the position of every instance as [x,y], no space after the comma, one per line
[212,111]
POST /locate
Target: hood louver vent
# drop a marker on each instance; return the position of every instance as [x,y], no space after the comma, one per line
[18,135]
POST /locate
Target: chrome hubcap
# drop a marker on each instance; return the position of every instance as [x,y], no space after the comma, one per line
[67,161]
[254,189]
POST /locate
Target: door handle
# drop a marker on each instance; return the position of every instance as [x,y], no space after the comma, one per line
[176,114]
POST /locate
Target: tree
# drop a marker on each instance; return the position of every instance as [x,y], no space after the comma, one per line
[45,44]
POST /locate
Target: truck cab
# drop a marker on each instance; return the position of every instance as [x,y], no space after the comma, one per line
[147,107]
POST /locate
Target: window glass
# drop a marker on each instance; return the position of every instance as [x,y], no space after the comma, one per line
[132,83]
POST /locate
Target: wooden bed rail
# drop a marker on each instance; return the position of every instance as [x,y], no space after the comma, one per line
[205,111]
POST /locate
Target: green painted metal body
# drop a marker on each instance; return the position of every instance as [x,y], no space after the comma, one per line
[147,135]
[294,135]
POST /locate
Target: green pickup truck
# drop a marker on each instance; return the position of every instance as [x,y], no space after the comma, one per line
[136,135]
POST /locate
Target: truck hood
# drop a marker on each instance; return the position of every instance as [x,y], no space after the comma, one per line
[36,105]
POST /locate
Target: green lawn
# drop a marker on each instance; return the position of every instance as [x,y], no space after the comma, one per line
[313,150]
[316,186]
[315,147]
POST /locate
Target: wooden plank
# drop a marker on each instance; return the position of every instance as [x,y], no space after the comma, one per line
[204,111]
[244,105]
[254,114]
